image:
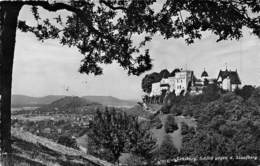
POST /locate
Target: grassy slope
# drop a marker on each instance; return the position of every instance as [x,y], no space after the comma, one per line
[35,150]
[176,135]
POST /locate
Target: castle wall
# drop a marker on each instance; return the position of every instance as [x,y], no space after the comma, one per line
[156,89]
[182,80]
[226,85]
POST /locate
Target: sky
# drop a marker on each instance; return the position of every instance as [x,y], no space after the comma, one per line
[47,68]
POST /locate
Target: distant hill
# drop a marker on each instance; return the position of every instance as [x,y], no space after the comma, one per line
[111,101]
[71,102]
[27,101]
[65,105]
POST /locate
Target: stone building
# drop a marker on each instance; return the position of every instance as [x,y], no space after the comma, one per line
[178,83]
[185,81]
[228,80]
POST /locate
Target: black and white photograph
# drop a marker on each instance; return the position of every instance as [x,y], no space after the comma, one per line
[130,82]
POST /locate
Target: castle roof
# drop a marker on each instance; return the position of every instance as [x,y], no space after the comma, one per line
[233,76]
[204,74]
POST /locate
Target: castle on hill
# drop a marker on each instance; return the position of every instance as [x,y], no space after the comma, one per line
[184,81]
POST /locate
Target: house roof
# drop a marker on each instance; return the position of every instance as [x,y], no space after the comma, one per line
[204,74]
[233,75]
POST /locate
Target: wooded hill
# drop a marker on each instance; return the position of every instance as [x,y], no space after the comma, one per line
[28,101]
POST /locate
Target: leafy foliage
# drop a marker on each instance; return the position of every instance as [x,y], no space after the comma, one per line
[107,132]
[104,31]
[245,92]
[211,92]
[116,132]
[141,141]
[164,73]
[154,77]
[170,124]
[134,160]
[156,122]
[167,150]
[148,80]
[67,141]
[172,74]
[223,18]
[185,129]
[173,104]
[228,127]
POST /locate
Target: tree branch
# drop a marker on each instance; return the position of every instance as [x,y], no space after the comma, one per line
[111,6]
[62,6]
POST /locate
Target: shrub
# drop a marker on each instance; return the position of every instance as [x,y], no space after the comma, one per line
[156,122]
[197,99]
[187,112]
[245,92]
[134,160]
[211,93]
[170,124]
[185,129]
[167,149]
[169,99]
[68,141]
[165,109]
[176,110]
[118,133]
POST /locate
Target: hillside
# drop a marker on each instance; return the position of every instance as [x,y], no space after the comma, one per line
[71,102]
[111,101]
[28,101]
[176,136]
[64,107]
[138,110]
[31,150]
[67,105]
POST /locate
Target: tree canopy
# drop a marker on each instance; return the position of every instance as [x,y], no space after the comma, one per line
[104,30]
[164,73]
[148,80]
[154,77]
[167,150]
[113,133]
[68,141]
[228,126]
[172,74]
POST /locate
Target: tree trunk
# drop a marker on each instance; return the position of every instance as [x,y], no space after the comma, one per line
[8,23]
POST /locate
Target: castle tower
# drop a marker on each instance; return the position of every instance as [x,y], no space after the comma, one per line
[204,75]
